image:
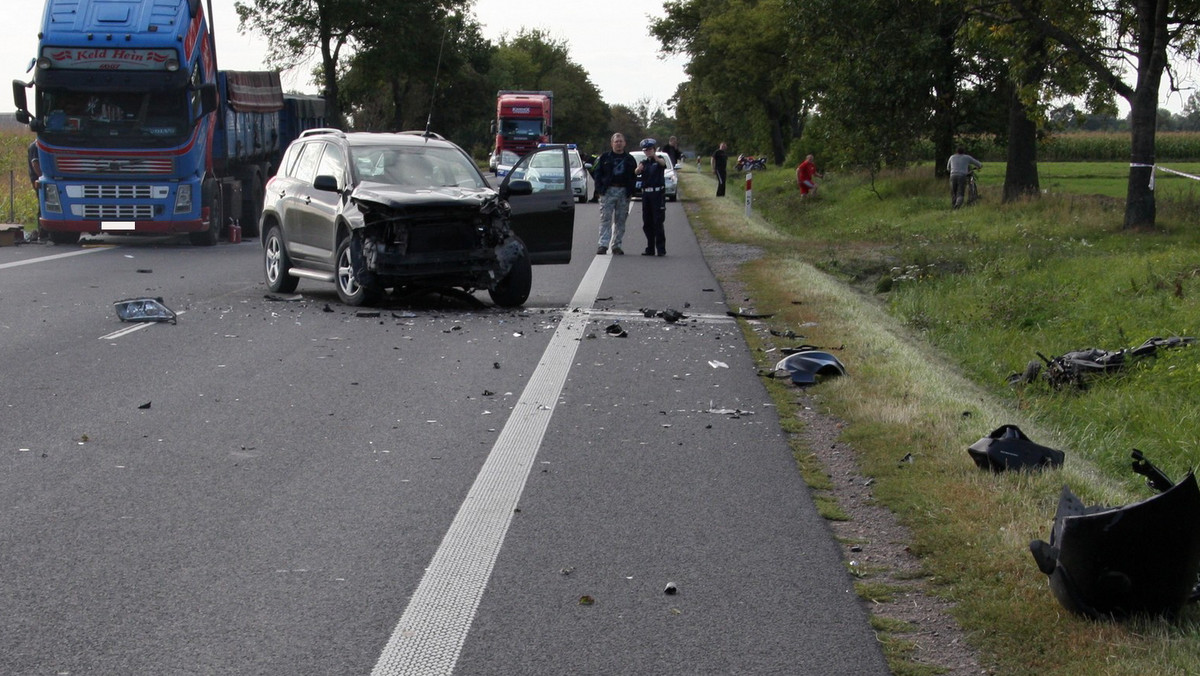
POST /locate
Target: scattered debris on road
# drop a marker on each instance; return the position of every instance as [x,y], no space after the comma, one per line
[144,310]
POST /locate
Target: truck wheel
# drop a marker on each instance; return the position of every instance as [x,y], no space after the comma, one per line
[252,204]
[276,263]
[349,290]
[215,218]
[513,290]
[64,237]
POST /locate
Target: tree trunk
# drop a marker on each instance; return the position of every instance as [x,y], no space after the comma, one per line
[945,91]
[1021,174]
[1140,210]
[333,110]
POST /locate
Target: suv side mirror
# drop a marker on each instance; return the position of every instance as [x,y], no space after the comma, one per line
[517,187]
[325,182]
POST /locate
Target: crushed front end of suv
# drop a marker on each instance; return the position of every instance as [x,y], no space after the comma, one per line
[377,211]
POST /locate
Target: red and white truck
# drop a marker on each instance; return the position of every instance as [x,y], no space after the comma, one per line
[524,120]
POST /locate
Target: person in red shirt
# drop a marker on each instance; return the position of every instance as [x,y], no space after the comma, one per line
[804,176]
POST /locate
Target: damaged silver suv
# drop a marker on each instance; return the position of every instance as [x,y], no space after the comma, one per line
[373,211]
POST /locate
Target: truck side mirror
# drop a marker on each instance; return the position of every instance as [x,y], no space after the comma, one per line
[209,98]
[20,100]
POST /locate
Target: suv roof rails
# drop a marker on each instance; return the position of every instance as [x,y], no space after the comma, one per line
[322,130]
[426,134]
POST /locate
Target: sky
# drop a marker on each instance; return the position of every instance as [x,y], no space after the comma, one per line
[609,40]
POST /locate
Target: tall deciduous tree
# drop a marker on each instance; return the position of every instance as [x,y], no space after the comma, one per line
[296,29]
[748,80]
[1139,33]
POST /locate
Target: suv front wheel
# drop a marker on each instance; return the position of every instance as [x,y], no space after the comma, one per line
[349,290]
[276,263]
[513,290]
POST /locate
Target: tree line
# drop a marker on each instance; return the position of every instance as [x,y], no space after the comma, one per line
[861,82]
[389,65]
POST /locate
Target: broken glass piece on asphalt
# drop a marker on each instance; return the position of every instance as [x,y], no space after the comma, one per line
[804,367]
[1007,447]
[1117,562]
[144,310]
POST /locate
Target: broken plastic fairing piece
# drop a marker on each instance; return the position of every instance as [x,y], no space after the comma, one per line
[144,310]
[804,367]
[1117,562]
[1007,447]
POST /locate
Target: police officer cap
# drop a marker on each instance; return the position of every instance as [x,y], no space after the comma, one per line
[649,143]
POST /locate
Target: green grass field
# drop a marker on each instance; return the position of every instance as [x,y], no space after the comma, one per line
[935,308]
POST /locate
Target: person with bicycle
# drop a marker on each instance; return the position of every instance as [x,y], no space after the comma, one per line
[960,165]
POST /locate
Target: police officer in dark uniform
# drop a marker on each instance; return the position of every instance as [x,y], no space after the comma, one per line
[652,171]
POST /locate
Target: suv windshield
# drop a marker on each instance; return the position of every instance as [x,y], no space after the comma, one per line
[417,166]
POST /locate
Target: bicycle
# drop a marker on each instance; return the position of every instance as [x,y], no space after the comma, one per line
[972,191]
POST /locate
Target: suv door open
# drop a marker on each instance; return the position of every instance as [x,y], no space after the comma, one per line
[544,220]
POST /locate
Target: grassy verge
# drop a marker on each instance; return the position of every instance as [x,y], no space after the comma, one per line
[935,307]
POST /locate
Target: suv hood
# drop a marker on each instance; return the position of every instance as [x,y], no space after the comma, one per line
[401,197]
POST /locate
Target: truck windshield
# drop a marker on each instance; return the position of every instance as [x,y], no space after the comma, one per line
[510,128]
[113,119]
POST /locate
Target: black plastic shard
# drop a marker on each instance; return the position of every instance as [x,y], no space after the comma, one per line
[1007,447]
[144,310]
[804,367]
[1116,562]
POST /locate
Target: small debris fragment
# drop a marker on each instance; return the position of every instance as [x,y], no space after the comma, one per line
[717,364]
[284,299]
[671,589]
[586,600]
[615,330]
[144,310]
[144,406]
[367,314]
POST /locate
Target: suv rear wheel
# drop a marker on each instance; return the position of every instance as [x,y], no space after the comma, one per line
[349,290]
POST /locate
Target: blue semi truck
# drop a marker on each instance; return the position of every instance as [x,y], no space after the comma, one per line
[138,132]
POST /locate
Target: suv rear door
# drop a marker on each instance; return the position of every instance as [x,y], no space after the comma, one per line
[545,220]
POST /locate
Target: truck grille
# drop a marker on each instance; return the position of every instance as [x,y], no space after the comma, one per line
[115,165]
[114,212]
[120,192]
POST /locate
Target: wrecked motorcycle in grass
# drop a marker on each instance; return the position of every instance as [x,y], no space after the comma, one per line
[1077,367]
[1118,562]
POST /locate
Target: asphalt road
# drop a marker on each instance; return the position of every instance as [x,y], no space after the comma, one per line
[285,487]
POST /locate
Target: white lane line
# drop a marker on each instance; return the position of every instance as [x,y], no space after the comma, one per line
[431,632]
[43,259]
[120,333]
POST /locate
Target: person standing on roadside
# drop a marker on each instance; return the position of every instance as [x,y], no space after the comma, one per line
[671,150]
[719,161]
[805,173]
[614,174]
[959,165]
[652,170]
